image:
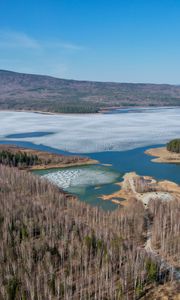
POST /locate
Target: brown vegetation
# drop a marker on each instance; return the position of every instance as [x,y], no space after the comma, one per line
[43,93]
[162,203]
[24,158]
[144,189]
[166,229]
[57,248]
[169,291]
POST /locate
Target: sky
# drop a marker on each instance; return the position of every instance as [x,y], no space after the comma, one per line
[99,40]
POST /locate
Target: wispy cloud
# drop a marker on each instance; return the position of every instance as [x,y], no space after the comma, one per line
[71,46]
[24,53]
[13,39]
[63,45]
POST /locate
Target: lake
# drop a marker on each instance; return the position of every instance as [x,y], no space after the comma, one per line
[54,134]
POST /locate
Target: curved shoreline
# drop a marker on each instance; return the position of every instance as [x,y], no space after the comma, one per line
[162,155]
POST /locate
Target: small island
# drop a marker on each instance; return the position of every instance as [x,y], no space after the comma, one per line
[168,154]
[30,159]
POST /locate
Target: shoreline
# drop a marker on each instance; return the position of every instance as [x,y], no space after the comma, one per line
[100,111]
[162,155]
[45,112]
[142,188]
[62,166]
[47,160]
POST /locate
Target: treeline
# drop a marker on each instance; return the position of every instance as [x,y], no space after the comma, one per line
[18,159]
[174,146]
[74,108]
[35,92]
[55,106]
[55,247]
[23,158]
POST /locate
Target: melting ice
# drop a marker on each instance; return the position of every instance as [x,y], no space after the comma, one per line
[95,132]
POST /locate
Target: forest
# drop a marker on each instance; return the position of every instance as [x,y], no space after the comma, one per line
[174,146]
[18,159]
[20,91]
[55,247]
[24,158]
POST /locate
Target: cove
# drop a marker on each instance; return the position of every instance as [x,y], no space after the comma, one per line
[121,162]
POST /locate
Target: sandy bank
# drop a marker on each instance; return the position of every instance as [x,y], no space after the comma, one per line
[163,155]
[64,165]
[143,188]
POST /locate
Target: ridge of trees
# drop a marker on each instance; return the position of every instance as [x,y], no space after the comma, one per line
[43,93]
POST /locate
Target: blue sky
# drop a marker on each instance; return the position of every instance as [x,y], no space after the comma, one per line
[104,40]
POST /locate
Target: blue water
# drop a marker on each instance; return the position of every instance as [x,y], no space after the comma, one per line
[28,135]
[87,192]
[121,162]
[135,110]
[136,160]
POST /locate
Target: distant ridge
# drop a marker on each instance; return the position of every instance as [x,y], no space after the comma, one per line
[20,91]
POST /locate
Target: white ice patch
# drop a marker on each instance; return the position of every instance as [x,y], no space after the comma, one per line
[95,132]
[80,177]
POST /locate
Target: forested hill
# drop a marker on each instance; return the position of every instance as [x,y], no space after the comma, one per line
[36,92]
[56,247]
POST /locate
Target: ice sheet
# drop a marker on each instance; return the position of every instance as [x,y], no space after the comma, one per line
[95,132]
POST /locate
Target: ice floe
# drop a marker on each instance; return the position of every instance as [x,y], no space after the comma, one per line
[81,176]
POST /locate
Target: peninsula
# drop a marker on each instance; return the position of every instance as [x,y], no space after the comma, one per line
[144,189]
[30,159]
[168,154]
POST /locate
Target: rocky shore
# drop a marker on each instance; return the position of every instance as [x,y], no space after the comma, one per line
[143,188]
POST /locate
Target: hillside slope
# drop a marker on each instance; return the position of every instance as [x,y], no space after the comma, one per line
[56,247]
[36,92]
